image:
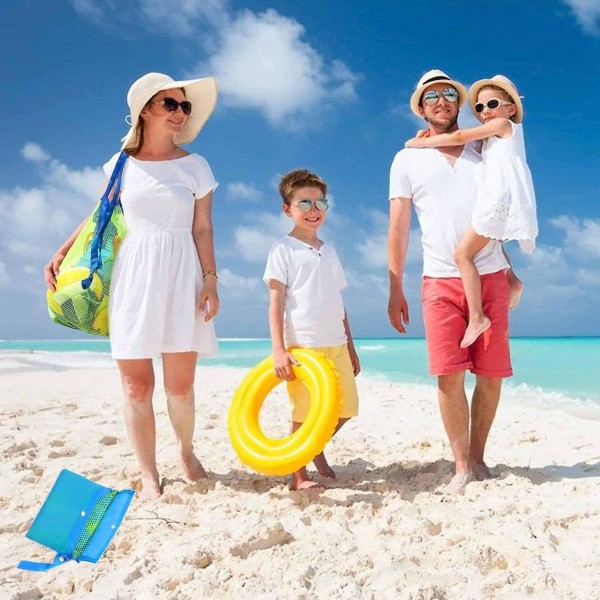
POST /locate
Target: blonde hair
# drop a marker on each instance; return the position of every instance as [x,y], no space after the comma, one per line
[294,180]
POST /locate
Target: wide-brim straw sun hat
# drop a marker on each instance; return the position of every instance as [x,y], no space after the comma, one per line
[202,93]
[505,84]
[430,78]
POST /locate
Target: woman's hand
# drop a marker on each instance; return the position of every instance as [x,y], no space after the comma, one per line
[51,271]
[209,299]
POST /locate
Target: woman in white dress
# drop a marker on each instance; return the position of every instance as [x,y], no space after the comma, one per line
[163,292]
[505,208]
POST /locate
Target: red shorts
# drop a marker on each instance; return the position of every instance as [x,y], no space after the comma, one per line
[445,314]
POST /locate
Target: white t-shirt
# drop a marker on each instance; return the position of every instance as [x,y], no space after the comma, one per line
[443,196]
[313,279]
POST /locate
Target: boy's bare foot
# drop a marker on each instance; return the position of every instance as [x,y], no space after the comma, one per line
[192,468]
[474,330]
[516,289]
[480,471]
[300,481]
[150,488]
[458,483]
[323,466]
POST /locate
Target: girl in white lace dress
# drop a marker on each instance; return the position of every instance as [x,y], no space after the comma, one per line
[505,207]
[163,290]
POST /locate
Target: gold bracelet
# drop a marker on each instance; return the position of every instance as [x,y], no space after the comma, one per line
[208,274]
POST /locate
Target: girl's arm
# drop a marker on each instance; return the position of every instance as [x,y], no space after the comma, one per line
[282,359]
[495,127]
[202,232]
[351,349]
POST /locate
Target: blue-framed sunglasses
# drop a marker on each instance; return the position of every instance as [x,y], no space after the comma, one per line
[321,204]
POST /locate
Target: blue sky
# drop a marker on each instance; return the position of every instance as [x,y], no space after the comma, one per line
[321,85]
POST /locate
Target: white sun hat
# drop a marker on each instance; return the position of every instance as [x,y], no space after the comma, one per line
[504,83]
[430,78]
[202,93]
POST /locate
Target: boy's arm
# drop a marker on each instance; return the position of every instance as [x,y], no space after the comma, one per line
[351,349]
[494,127]
[282,360]
[399,230]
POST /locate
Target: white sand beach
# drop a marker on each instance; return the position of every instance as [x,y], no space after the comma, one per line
[381,530]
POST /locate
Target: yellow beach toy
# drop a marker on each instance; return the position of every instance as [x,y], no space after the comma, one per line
[282,456]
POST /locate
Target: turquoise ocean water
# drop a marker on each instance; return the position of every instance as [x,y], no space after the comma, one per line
[546,369]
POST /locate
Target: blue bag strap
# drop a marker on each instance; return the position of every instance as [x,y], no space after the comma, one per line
[104,214]
[29,565]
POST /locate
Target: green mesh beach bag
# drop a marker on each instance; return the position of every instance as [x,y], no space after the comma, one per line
[78,520]
[83,282]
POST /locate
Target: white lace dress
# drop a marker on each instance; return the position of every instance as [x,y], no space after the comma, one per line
[505,207]
[156,280]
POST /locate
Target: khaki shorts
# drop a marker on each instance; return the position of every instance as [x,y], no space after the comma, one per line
[300,398]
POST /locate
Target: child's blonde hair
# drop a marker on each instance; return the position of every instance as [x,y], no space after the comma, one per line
[294,180]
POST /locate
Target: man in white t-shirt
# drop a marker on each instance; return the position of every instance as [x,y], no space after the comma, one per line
[440,184]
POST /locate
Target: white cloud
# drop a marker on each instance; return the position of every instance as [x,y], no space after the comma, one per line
[587,13]
[3,275]
[34,152]
[253,242]
[243,191]
[238,286]
[583,235]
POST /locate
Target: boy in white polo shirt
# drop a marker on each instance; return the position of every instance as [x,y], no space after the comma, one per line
[306,309]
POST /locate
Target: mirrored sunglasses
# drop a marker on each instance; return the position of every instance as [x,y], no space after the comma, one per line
[321,204]
[171,105]
[432,96]
[491,104]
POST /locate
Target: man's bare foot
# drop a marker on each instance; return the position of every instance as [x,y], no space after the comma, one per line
[458,483]
[150,488]
[192,468]
[300,481]
[474,330]
[480,471]
[323,466]
[516,289]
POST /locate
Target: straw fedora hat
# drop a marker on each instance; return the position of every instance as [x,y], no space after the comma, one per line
[202,93]
[505,84]
[430,78]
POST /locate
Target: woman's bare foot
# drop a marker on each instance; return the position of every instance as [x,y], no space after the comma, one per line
[474,330]
[515,291]
[323,466]
[150,488]
[458,483]
[480,471]
[192,468]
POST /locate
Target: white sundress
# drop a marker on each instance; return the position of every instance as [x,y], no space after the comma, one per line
[156,280]
[505,207]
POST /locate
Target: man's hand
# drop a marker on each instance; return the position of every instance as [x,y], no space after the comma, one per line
[398,310]
[282,363]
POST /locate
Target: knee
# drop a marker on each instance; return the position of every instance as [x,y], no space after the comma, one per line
[138,389]
[489,385]
[179,391]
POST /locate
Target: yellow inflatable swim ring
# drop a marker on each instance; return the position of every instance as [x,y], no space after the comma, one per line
[282,456]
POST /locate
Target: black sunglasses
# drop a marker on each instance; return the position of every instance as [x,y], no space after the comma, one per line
[171,105]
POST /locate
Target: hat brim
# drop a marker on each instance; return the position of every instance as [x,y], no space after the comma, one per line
[415,99]
[202,93]
[510,90]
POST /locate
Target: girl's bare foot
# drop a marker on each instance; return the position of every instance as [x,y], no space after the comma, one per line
[323,466]
[300,481]
[458,483]
[480,471]
[192,468]
[474,330]
[150,488]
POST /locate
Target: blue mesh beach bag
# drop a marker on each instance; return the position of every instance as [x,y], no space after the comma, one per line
[83,282]
[78,520]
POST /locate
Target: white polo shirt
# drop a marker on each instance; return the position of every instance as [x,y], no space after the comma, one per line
[443,196]
[313,279]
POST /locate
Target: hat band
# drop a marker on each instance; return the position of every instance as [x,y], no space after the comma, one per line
[437,78]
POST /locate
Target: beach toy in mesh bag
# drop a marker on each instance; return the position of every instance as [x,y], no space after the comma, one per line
[78,520]
[83,282]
